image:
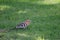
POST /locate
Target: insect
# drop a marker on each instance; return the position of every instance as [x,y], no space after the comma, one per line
[23,24]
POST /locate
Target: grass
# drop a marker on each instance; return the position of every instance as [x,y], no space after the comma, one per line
[45,19]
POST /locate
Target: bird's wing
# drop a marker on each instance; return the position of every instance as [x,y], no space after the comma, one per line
[21,25]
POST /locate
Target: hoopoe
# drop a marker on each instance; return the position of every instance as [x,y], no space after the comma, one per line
[23,24]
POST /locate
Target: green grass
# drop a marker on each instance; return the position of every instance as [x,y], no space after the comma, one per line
[45,19]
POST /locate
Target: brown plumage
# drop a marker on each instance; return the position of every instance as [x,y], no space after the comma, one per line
[23,24]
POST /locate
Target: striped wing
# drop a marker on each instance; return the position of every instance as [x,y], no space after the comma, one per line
[22,25]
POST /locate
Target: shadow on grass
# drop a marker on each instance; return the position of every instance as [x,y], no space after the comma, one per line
[39,31]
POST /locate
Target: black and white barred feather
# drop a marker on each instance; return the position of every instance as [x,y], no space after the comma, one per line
[23,24]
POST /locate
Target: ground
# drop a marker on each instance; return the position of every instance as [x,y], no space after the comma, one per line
[45,19]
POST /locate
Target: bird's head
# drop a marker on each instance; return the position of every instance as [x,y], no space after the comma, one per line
[28,22]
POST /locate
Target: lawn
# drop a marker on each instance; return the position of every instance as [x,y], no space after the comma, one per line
[44,16]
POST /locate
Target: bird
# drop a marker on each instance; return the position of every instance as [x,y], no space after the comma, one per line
[24,24]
